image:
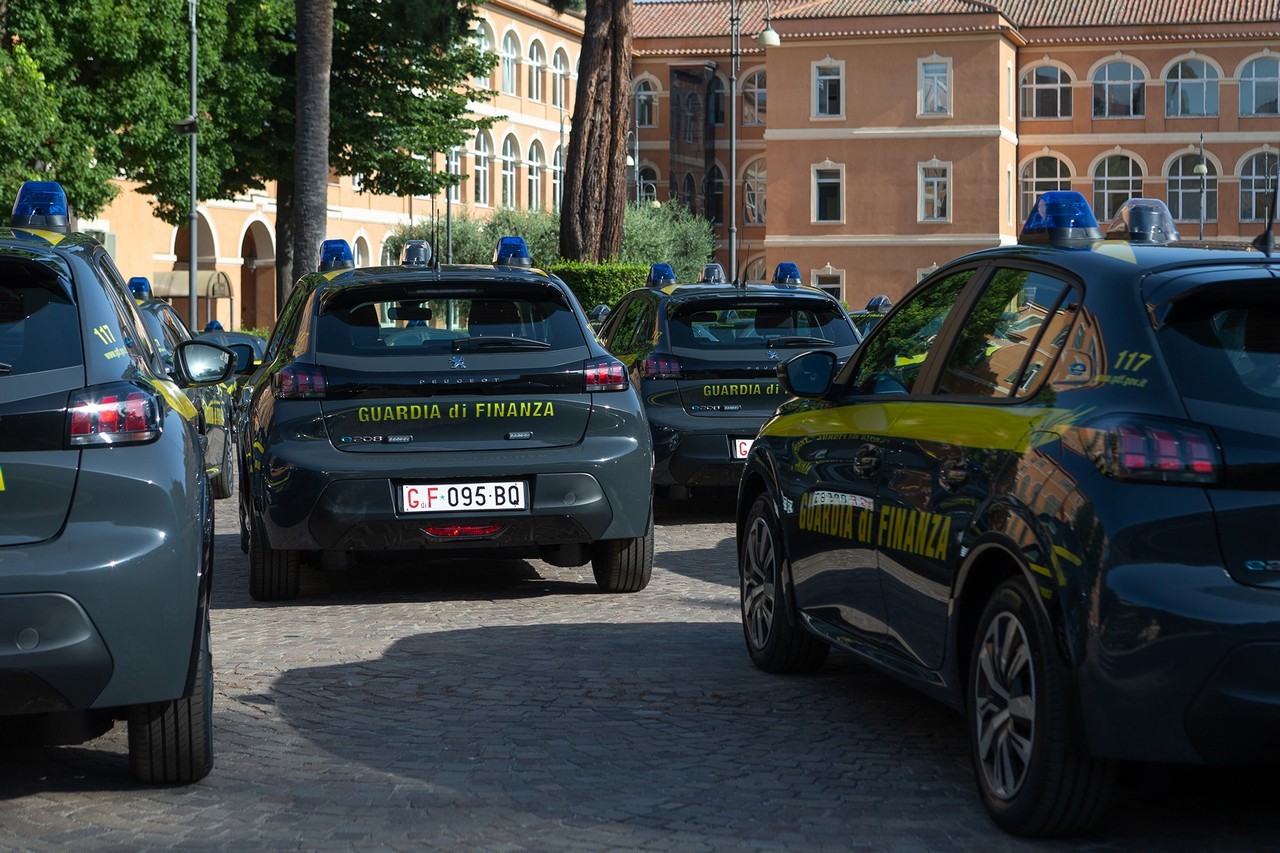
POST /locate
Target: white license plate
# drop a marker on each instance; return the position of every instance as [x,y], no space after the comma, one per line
[462,497]
[741,447]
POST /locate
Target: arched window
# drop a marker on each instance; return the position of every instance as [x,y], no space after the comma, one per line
[1191,89]
[510,64]
[713,205]
[1045,92]
[557,177]
[753,184]
[1115,180]
[484,43]
[483,152]
[536,162]
[1260,87]
[754,103]
[648,184]
[646,104]
[1042,175]
[1255,198]
[689,193]
[1185,189]
[537,64]
[715,102]
[559,79]
[510,156]
[757,270]
[453,165]
[1119,91]
[692,118]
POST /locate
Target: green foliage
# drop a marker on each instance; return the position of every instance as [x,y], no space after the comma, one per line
[668,233]
[599,284]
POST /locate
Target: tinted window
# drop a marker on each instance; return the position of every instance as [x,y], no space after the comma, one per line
[39,326]
[897,348]
[406,322]
[1225,346]
[1016,328]
[722,324]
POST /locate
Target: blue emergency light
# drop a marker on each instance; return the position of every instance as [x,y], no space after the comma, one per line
[336,255]
[1143,220]
[786,273]
[512,252]
[140,287]
[1061,218]
[41,204]
[660,275]
[417,253]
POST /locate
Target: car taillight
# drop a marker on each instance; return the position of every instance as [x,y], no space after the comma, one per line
[299,382]
[1153,451]
[661,367]
[116,414]
[604,374]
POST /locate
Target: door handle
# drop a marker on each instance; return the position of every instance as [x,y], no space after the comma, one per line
[866,461]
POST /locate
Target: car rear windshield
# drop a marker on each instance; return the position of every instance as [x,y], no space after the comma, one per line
[410,321]
[723,324]
[1223,345]
[39,325]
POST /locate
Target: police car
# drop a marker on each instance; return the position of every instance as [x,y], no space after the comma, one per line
[106,513]
[704,357]
[1043,492]
[444,410]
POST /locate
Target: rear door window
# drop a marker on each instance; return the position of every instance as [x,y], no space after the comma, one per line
[39,325]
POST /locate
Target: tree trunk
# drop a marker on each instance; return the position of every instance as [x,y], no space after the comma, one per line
[311,152]
[595,179]
[284,242]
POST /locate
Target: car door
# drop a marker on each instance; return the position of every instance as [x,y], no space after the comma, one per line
[955,450]
[840,465]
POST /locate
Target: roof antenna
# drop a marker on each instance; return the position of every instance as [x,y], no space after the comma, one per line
[1266,241]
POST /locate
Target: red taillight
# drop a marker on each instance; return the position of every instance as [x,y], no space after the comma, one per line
[1153,451]
[455,531]
[299,382]
[112,415]
[604,374]
[661,367]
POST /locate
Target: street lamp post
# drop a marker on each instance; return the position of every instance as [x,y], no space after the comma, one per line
[1202,170]
[193,216]
[767,38]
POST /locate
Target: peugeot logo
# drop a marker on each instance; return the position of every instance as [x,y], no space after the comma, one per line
[773,354]
[456,363]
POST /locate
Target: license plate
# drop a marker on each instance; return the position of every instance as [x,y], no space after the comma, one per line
[462,497]
[741,447]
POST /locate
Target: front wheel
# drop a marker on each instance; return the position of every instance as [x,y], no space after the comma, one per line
[172,742]
[775,639]
[624,565]
[1034,772]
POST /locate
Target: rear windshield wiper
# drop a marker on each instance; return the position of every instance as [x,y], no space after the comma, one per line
[798,341]
[5,369]
[498,342]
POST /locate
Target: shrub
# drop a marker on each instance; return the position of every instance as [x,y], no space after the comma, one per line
[599,284]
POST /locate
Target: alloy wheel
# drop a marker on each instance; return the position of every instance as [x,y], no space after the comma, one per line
[759,575]
[1005,705]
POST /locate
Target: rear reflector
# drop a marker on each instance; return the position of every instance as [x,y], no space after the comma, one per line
[115,414]
[604,374]
[460,531]
[1134,448]
[300,382]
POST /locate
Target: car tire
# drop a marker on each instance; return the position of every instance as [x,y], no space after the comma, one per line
[776,640]
[273,573]
[1033,770]
[243,512]
[224,483]
[172,742]
[624,565]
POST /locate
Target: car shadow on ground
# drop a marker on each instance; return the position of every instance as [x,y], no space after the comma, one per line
[702,506]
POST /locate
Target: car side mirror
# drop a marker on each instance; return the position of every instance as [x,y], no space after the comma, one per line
[808,374]
[246,358]
[197,362]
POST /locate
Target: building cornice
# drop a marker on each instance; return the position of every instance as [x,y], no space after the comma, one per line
[971,131]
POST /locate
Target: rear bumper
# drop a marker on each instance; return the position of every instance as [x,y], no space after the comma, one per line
[697,451]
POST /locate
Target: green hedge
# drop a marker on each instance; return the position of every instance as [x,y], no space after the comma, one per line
[599,284]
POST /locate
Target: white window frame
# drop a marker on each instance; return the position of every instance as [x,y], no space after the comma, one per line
[646,103]
[1137,85]
[1110,187]
[1029,88]
[760,108]
[1255,169]
[755,192]
[537,65]
[1251,82]
[815,171]
[510,159]
[834,72]
[482,158]
[832,288]
[1031,185]
[453,166]
[926,192]
[536,164]
[510,64]
[557,177]
[1209,82]
[484,41]
[560,77]
[923,94]
[1181,183]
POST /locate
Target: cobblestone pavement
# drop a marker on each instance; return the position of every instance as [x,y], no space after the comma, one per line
[510,706]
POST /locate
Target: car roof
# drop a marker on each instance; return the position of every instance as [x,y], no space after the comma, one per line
[1124,260]
[685,292]
[444,273]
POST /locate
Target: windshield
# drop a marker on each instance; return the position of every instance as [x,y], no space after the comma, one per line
[741,324]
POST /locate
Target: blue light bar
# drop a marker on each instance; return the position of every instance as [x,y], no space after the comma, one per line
[41,204]
[512,252]
[140,287]
[1061,218]
[786,273]
[660,275]
[417,253]
[1143,220]
[336,255]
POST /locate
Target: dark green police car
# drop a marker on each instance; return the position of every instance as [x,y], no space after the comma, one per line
[445,410]
[1043,492]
